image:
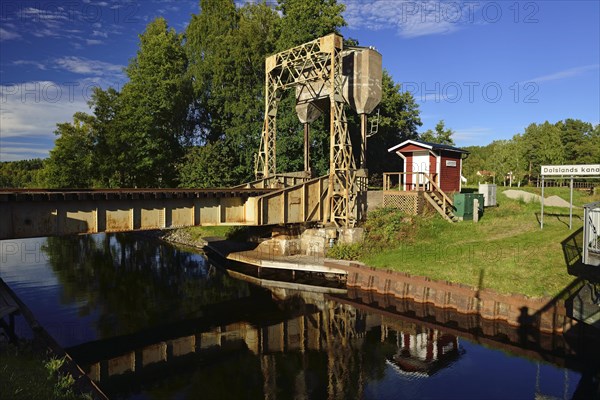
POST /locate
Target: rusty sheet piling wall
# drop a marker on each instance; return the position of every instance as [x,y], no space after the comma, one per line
[481,303]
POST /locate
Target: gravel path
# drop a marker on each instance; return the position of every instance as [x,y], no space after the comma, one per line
[374,199]
[552,201]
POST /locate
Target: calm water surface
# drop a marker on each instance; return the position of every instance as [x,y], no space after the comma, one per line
[149,321]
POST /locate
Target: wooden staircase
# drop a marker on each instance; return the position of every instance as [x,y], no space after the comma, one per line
[408,195]
[440,202]
[445,209]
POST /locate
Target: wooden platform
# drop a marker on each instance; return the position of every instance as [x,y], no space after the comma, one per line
[411,191]
[246,253]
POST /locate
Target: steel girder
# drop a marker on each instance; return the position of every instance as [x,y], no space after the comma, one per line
[317,61]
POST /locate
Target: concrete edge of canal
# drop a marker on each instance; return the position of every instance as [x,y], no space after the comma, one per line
[549,315]
[546,314]
[83,384]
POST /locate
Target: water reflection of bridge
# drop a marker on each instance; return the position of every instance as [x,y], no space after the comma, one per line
[305,322]
[331,325]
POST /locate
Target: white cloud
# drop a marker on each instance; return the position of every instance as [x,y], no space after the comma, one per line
[8,35]
[10,153]
[56,20]
[32,110]
[44,15]
[85,66]
[51,18]
[470,133]
[409,18]
[36,64]
[564,74]
[100,34]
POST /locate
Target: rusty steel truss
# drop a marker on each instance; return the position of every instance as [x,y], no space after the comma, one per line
[317,61]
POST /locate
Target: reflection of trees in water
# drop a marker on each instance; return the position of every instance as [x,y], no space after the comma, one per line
[134,284]
[235,377]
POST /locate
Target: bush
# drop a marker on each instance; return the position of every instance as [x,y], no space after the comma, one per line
[387,227]
[346,251]
[384,228]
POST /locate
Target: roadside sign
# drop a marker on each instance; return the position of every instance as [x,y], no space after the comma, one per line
[571,170]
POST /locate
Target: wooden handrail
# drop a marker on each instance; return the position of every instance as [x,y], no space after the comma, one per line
[289,180]
[307,214]
[441,192]
[418,184]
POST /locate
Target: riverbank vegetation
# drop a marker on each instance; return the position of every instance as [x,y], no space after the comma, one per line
[191,112]
[518,160]
[26,374]
[506,251]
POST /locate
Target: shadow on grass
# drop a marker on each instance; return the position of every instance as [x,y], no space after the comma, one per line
[572,248]
[581,298]
[564,218]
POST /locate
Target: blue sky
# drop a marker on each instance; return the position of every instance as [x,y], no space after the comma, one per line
[487,68]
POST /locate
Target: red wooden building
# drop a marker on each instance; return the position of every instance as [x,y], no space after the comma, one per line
[441,162]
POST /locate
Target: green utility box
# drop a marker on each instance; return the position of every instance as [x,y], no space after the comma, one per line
[463,202]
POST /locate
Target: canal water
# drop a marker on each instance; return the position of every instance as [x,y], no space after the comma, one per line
[147,320]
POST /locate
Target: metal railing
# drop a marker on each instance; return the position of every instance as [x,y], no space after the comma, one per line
[277,181]
[591,234]
[304,202]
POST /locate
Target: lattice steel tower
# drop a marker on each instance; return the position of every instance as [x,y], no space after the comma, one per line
[319,70]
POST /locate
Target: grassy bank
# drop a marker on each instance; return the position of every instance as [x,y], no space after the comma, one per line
[27,374]
[506,251]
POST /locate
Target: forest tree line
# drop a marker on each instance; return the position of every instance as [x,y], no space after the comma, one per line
[191,112]
[570,141]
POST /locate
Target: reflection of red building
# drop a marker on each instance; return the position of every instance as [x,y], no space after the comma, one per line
[423,354]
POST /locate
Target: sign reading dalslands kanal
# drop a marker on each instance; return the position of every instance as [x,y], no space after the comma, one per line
[571,170]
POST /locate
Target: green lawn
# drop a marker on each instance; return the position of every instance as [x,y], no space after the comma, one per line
[506,249]
[199,232]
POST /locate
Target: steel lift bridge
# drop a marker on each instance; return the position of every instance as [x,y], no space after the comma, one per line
[323,74]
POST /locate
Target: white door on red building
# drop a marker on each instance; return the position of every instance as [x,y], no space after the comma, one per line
[421,164]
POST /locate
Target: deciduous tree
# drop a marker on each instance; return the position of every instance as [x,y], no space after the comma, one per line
[441,135]
[155,106]
[70,162]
